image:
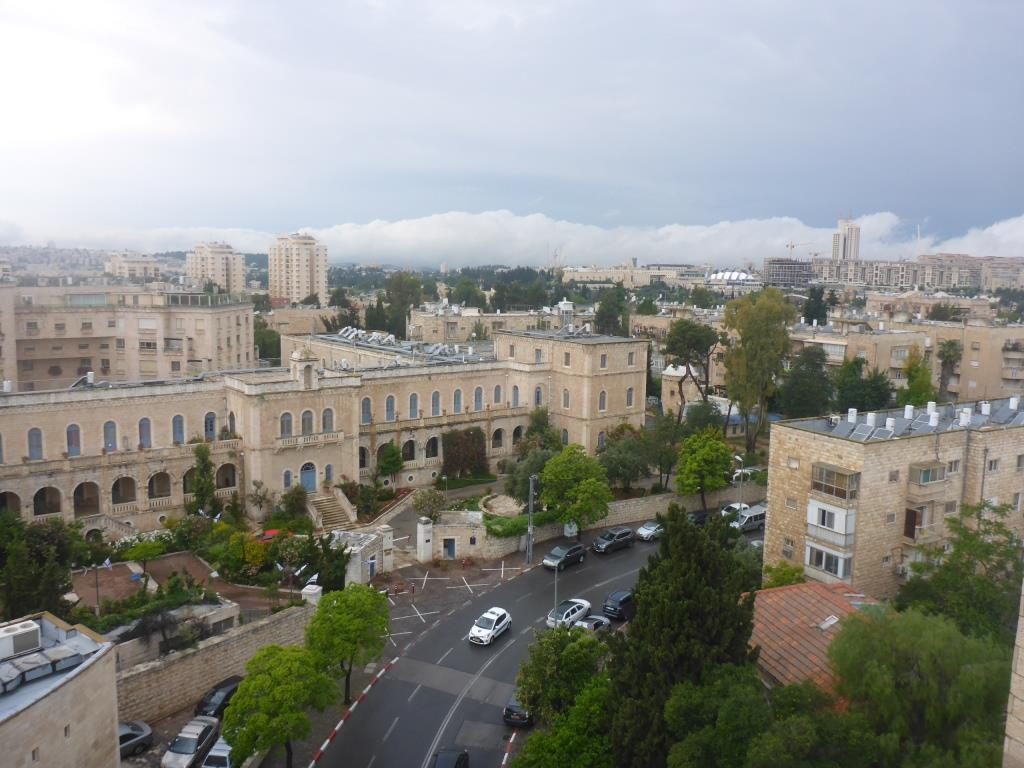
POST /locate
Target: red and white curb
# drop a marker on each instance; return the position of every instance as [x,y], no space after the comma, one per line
[348,712]
[508,748]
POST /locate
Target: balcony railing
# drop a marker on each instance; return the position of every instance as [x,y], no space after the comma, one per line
[317,438]
[162,502]
[926,492]
[828,536]
[126,508]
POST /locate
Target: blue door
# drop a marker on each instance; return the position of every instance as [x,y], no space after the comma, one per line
[372,563]
[307,476]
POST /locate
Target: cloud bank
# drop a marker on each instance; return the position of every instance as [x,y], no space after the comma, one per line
[503,237]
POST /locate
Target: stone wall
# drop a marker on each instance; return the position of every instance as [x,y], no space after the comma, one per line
[1013,746]
[158,688]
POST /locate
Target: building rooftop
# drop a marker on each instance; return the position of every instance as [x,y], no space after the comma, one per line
[902,423]
[38,653]
[576,335]
[794,627]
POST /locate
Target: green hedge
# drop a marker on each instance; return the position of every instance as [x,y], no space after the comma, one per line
[507,527]
[464,482]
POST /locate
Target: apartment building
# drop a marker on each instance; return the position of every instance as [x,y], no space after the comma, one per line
[444,322]
[118,457]
[846,241]
[52,337]
[940,272]
[787,273]
[852,499]
[132,266]
[915,305]
[216,264]
[297,266]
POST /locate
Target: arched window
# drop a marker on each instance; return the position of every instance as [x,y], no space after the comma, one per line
[497,394]
[307,422]
[231,423]
[409,450]
[414,406]
[601,440]
[497,438]
[602,401]
[74,440]
[365,411]
[538,396]
[210,426]
[565,437]
[329,474]
[145,433]
[286,424]
[430,450]
[435,404]
[178,430]
[389,408]
[629,397]
[478,399]
[565,398]
[287,480]
[327,420]
[110,436]
[457,401]
[515,396]
[35,444]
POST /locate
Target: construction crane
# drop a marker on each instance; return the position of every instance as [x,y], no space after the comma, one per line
[791,245]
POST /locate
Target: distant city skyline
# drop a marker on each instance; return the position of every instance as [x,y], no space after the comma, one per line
[453,130]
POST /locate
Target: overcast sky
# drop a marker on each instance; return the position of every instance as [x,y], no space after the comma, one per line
[475,131]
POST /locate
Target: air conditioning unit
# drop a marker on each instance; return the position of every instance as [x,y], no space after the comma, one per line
[787,551]
[16,639]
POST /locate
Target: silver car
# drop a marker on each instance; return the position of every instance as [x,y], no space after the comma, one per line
[649,531]
[568,612]
[192,743]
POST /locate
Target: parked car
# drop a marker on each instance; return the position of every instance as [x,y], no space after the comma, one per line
[612,539]
[650,531]
[594,623]
[734,508]
[217,698]
[191,744]
[489,627]
[697,518]
[219,756]
[620,605]
[563,555]
[568,612]
[515,713]
[451,758]
[134,737]
[751,519]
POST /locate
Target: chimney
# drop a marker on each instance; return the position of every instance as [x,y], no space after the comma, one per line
[1014,403]
[851,415]
[986,408]
[890,423]
[931,407]
[965,417]
[908,412]
[933,419]
[871,419]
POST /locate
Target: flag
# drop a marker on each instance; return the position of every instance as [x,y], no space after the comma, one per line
[107,564]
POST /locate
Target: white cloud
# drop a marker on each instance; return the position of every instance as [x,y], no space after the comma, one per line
[502,237]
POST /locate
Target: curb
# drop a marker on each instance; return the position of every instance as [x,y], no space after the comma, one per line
[508,748]
[347,713]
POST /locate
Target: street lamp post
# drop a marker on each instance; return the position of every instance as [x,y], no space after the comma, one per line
[444,479]
[529,526]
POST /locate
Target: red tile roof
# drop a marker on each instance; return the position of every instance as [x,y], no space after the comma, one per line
[794,626]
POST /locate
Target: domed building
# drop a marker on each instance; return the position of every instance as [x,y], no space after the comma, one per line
[733,283]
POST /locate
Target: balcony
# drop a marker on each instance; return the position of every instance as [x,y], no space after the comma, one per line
[304,441]
[1013,373]
[84,462]
[926,493]
[828,536]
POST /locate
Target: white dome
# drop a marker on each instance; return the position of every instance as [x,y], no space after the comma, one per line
[730,276]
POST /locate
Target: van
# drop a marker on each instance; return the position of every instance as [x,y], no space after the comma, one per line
[751,519]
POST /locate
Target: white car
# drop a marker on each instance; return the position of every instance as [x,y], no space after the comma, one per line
[735,509]
[649,531]
[568,612]
[489,626]
[594,623]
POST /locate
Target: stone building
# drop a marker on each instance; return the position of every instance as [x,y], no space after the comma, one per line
[447,323]
[118,457]
[216,264]
[58,695]
[297,268]
[52,337]
[132,266]
[852,499]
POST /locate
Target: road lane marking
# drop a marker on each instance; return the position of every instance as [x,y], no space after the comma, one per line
[421,615]
[523,597]
[445,655]
[418,615]
[390,729]
[525,630]
[451,712]
[414,692]
[372,761]
[392,635]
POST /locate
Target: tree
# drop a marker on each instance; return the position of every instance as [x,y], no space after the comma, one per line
[377,316]
[976,583]
[832,300]
[807,390]
[349,629]
[428,503]
[945,311]
[579,737]
[313,300]
[816,308]
[853,389]
[269,707]
[754,360]
[266,340]
[468,294]
[700,416]
[660,443]
[560,663]
[611,316]
[204,486]
[624,456]
[465,453]
[389,460]
[950,352]
[933,695]
[575,487]
[343,318]
[403,291]
[704,465]
[144,551]
[294,502]
[261,302]
[339,298]
[540,434]
[782,574]
[691,345]
[479,332]
[331,563]
[518,483]
[918,373]
[704,298]
[646,307]
[261,497]
[694,611]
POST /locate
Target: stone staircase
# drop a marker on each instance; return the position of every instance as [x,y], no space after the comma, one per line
[333,516]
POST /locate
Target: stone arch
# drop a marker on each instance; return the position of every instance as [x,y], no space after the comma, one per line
[10,502]
[306,422]
[515,396]
[227,476]
[86,499]
[432,448]
[46,501]
[409,450]
[188,481]
[565,437]
[123,490]
[231,423]
[285,428]
[159,486]
[517,435]
[497,438]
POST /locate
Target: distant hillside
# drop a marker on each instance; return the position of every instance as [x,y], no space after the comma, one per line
[257,260]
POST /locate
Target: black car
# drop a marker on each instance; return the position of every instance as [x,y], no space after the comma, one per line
[620,605]
[451,758]
[697,518]
[563,555]
[216,700]
[516,714]
[612,539]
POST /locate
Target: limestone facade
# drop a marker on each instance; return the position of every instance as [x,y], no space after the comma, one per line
[119,456]
[218,264]
[446,323]
[297,268]
[857,511]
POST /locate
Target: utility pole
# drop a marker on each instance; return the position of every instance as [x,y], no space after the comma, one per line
[529,527]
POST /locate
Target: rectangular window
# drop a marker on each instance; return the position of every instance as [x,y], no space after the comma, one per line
[119,343]
[85,362]
[512,351]
[890,518]
[87,325]
[894,475]
[83,346]
[825,561]
[949,509]
[899,353]
[148,346]
[993,465]
[953,467]
[537,356]
[604,361]
[179,324]
[175,365]
[790,502]
[827,518]
[1020,462]
[31,326]
[59,327]
[631,358]
[104,363]
[1016,502]
[56,347]
[111,323]
[793,462]
[567,360]
[842,485]
[147,323]
[926,475]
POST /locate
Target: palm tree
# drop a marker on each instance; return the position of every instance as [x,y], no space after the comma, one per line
[950,352]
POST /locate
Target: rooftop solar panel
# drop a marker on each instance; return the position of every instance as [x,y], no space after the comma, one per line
[881,434]
[843,429]
[862,432]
